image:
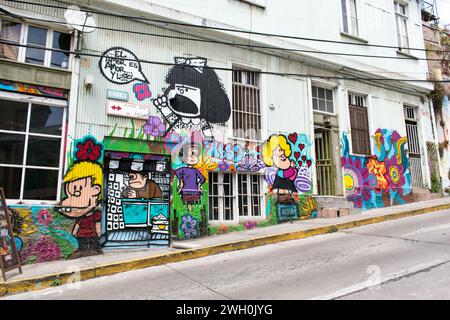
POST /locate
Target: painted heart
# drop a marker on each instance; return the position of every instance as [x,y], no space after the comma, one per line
[297,155]
[304,158]
[293,137]
[309,163]
[301,146]
[300,163]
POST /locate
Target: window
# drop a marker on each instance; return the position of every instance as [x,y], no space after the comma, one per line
[221,196]
[350,17]
[37,37]
[322,99]
[249,195]
[30,148]
[10,32]
[401,20]
[246,105]
[359,124]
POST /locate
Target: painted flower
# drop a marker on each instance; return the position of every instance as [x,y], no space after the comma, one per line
[223,166]
[357,182]
[42,250]
[394,174]
[142,91]
[189,226]
[248,225]
[154,127]
[88,150]
[44,217]
[378,169]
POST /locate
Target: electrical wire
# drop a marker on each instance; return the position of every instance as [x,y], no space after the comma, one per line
[221,28]
[244,45]
[68,52]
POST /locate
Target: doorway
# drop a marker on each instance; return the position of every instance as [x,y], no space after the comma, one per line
[324,162]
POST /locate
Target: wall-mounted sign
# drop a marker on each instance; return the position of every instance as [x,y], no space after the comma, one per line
[287,212]
[128,110]
[117,95]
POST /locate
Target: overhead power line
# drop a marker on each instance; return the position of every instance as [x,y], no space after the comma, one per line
[221,28]
[222,69]
[243,44]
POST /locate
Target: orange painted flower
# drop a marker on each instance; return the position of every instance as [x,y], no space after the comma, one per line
[378,169]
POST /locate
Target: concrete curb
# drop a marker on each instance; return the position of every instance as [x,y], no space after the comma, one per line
[58,279]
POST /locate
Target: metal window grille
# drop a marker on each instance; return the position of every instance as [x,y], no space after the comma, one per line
[324,162]
[221,196]
[246,105]
[249,195]
[359,124]
[414,153]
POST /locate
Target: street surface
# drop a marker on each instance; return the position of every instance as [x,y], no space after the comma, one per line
[403,259]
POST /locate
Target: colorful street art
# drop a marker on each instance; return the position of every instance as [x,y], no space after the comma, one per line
[195,98]
[379,180]
[33,90]
[42,234]
[83,193]
[137,200]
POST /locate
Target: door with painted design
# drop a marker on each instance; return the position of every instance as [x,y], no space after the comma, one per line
[136,204]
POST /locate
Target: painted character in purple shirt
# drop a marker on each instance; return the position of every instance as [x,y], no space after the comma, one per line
[190,179]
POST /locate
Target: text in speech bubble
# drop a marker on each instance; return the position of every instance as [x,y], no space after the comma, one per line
[121,66]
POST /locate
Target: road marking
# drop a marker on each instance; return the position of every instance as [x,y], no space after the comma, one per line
[428,229]
[369,283]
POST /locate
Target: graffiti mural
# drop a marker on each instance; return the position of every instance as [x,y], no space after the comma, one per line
[137,200]
[142,91]
[33,90]
[379,180]
[195,98]
[42,234]
[83,194]
[190,179]
[121,66]
[288,164]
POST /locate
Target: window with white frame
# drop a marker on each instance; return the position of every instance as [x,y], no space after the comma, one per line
[350,17]
[322,99]
[249,195]
[35,36]
[30,149]
[221,196]
[246,105]
[401,21]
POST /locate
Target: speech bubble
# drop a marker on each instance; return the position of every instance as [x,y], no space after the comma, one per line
[121,66]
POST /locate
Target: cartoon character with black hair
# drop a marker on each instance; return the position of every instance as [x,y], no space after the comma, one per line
[195,97]
[189,177]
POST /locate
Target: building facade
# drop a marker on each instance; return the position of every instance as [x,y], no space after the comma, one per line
[171,130]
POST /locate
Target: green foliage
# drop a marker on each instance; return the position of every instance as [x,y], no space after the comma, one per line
[435,184]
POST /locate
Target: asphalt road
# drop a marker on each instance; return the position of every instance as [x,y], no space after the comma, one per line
[403,259]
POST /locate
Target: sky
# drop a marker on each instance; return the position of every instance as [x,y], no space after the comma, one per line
[444,11]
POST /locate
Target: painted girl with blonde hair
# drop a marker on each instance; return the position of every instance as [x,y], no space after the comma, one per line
[276,152]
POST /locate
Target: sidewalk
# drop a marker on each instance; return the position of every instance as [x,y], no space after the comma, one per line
[51,274]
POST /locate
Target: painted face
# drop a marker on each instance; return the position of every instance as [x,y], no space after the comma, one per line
[185,101]
[138,180]
[82,195]
[280,160]
[192,156]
